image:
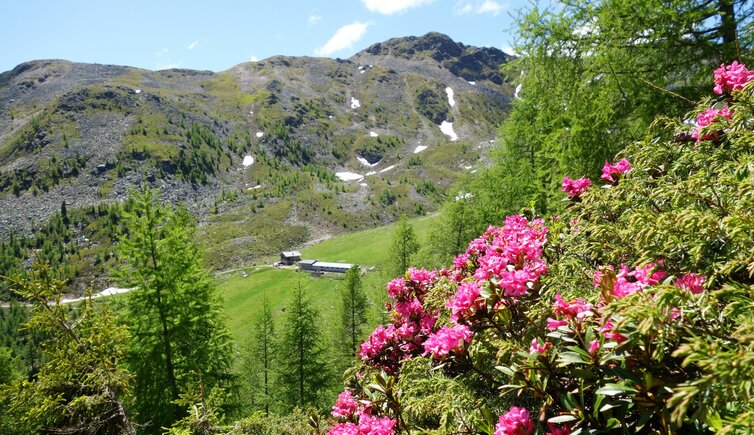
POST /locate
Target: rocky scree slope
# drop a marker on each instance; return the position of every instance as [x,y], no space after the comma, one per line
[267,154]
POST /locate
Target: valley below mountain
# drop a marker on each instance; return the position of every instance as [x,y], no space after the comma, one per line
[266,155]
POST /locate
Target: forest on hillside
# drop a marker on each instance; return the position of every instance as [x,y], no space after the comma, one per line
[597,277]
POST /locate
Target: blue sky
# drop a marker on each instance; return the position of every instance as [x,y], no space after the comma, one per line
[216,35]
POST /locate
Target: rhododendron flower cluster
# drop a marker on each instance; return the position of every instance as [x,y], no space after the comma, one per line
[517,421]
[411,323]
[709,117]
[465,301]
[732,77]
[510,257]
[345,406]
[692,282]
[440,343]
[612,173]
[632,281]
[367,425]
[575,188]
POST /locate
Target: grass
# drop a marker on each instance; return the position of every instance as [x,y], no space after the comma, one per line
[243,295]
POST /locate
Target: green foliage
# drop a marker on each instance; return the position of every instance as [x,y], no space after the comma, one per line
[403,247]
[174,314]
[353,312]
[303,374]
[80,388]
[259,361]
[294,423]
[594,75]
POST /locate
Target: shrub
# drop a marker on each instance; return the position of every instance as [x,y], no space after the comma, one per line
[630,312]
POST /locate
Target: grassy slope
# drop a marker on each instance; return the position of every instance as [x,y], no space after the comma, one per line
[243,295]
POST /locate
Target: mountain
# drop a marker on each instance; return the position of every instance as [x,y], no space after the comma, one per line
[267,154]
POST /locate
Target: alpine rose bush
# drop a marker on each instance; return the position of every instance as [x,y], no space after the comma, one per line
[631,313]
[575,188]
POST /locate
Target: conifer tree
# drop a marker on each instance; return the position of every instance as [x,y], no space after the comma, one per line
[174,314]
[302,371]
[259,360]
[403,247]
[354,311]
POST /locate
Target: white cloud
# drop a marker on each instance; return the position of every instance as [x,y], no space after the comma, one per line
[169,66]
[193,45]
[343,38]
[479,7]
[389,7]
[161,53]
[254,59]
[313,20]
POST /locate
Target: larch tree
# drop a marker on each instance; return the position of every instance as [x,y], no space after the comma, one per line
[174,314]
[404,246]
[303,374]
[259,361]
[353,312]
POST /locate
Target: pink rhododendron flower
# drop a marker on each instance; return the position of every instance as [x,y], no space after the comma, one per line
[345,405]
[709,117]
[575,309]
[553,429]
[553,324]
[421,276]
[633,281]
[344,429]
[574,188]
[594,345]
[440,343]
[396,287]
[691,282]
[517,421]
[369,425]
[608,330]
[539,348]
[732,77]
[612,173]
[464,300]
[377,341]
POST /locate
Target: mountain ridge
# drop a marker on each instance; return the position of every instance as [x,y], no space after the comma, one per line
[334,144]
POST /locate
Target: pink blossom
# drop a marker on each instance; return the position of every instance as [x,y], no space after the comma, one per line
[574,188]
[553,324]
[344,429]
[440,343]
[461,261]
[377,341]
[517,421]
[369,425]
[553,429]
[692,282]
[539,348]
[732,77]
[608,330]
[396,287]
[593,346]
[709,117]
[464,299]
[345,405]
[612,173]
[421,276]
[575,309]
[633,281]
